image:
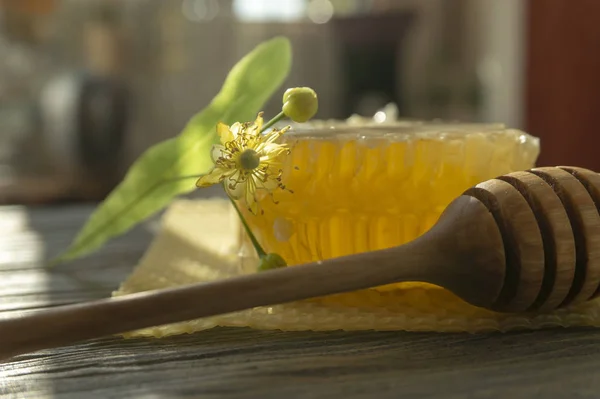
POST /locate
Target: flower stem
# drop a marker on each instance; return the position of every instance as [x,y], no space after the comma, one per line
[273,121]
[259,250]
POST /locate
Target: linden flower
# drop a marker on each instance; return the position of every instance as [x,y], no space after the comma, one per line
[246,161]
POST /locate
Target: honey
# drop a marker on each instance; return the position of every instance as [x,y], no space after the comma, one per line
[363,188]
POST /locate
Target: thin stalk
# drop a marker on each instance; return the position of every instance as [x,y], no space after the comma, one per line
[273,121]
[259,249]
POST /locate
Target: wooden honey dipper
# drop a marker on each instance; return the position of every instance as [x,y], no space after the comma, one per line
[525,241]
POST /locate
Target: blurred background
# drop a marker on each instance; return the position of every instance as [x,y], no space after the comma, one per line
[88,85]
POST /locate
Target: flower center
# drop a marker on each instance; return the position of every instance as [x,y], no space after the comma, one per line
[249,159]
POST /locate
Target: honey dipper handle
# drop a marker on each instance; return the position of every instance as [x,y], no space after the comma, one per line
[68,324]
[431,258]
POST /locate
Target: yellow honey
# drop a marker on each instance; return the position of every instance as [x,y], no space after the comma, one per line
[363,188]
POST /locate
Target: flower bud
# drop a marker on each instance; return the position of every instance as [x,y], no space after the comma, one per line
[271,261]
[300,104]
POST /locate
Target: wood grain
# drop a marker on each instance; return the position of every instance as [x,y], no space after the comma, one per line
[446,256]
[242,363]
[557,237]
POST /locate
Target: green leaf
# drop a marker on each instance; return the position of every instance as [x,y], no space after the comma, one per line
[145,190]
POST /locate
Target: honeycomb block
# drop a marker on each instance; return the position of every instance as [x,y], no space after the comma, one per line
[361,188]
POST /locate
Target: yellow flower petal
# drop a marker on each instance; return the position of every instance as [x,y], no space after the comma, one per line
[217,152]
[274,135]
[224,133]
[253,207]
[249,196]
[236,129]
[216,175]
[234,187]
[271,151]
[258,123]
[269,184]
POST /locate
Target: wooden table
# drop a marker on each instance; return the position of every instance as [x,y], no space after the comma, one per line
[242,363]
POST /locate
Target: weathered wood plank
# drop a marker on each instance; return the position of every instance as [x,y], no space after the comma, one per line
[243,363]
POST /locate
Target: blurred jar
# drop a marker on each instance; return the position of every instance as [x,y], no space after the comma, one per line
[63,124]
[26,173]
